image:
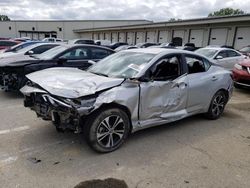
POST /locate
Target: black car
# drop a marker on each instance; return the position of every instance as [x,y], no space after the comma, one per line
[116,45]
[146,45]
[12,74]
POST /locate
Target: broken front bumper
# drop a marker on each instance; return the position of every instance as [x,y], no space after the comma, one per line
[64,113]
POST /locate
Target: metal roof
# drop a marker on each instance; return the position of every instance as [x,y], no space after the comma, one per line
[194,21]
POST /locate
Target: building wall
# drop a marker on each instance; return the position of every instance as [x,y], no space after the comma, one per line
[217,33]
[10,29]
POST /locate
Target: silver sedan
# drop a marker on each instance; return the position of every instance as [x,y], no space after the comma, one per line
[128,91]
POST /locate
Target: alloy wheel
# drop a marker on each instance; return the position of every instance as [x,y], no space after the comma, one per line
[110,131]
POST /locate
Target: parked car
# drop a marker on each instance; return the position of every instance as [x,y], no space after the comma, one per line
[245,51]
[81,41]
[52,40]
[29,50]
[103,42]
[128,91]
[224,57]
[219,46]
[5,44]
[20,46]
[145,45]
[12,74]
[125,47]
[188,47]
[22,39]
[241,74]
[116,45]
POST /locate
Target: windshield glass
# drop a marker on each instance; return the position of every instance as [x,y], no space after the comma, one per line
[245,49]
[122,64]
[50,54]
[209,53]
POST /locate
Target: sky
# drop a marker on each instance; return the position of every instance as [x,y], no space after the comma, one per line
[155,10]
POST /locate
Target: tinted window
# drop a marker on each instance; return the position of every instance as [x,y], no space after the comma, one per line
[7,43]
[98,53]
[231,53]
[78,54]
[195,64]
[167,68]
[222,54]
[41,49]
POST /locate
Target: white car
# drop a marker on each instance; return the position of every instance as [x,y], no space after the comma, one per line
[224,57]
[52,40]
[29,50]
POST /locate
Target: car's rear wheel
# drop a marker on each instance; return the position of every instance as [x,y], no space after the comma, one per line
[106,131]
[217,105]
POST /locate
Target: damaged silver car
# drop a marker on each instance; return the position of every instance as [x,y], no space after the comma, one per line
[128,91]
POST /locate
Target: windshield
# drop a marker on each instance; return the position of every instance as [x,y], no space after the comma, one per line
[50,54]
[245,49]
[122,64]
[209,53]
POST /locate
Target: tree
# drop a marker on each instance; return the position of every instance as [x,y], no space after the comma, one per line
[4,18]
[227,12]
[174,19]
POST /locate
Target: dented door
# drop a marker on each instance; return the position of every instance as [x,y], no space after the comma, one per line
[163,100]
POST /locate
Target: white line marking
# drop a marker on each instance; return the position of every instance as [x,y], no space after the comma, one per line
[8,160]
[7,131]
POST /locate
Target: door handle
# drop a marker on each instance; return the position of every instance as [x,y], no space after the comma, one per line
[214,78]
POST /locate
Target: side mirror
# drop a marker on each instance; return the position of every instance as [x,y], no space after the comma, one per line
[218,57]
[91,62]
[30,52]
[61,60]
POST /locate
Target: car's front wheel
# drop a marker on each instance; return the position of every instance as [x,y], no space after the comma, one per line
[106,131]
[217,105]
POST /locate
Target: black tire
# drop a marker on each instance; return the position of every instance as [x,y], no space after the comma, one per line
[102,124]
[217,105]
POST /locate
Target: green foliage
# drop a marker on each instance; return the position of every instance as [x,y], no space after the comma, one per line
[226,12]
[174,19]
[4,18]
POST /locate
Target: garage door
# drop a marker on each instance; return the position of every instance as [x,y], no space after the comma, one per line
[140,37]
[108,36]
[196,37]
[163,36]
[130,38]
[122,37]
[151,36]
[96,36]
[242,37]
[101,36]
[178,37]
[114,37]
[218,36]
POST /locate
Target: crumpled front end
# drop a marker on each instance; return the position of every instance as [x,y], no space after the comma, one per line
[64,113]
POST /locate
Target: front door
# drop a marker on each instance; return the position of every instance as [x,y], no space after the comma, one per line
[164,97]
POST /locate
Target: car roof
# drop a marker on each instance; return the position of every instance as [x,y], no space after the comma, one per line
[84,45]
[158,50]
[217,48]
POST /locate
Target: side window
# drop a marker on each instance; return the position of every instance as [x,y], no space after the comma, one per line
[231,53]
[167,68]
[78,54]
[195,64]
[99,53]
[222,54]
[41,49]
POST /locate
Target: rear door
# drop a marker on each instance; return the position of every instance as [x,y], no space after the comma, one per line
[164,97]
[200,82]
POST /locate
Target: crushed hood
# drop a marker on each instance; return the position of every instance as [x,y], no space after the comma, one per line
[72,82]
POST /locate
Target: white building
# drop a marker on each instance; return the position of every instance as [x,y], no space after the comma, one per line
[231,30]
[39,29]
